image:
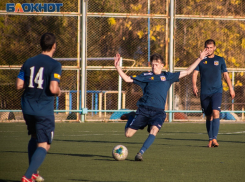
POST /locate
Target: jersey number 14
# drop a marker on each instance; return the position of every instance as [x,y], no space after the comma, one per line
[38,78]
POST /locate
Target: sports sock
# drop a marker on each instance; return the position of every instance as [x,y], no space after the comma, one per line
[130,119]
[216,123]
[36,160]
[147,143]
[209,128]
[32,146]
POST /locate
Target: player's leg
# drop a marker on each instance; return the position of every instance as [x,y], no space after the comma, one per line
[32,144]
[37,159]
[31,127]
[207,110]
[209,122]
[216,105]
[129,132]
[130,116]
[138,122]
[44,130]
[147,143]
[156,121]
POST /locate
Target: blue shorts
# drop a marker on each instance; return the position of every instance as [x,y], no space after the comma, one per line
[41,126]
[148,116]
[210,103]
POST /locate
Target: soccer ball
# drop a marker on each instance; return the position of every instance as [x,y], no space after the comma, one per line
[120,152]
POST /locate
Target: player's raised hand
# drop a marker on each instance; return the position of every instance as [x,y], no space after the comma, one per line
[203,54]
[117,60]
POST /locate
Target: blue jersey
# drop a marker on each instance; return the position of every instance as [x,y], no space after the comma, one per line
[210,73]
[155,88]
[37,73]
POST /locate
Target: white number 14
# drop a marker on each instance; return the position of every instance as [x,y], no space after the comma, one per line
[38,79]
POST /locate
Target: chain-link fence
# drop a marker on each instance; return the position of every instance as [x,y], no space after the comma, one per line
[89,34]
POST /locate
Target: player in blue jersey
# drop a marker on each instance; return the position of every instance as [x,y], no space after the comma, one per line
[211,69]
[39,77]
[151,105]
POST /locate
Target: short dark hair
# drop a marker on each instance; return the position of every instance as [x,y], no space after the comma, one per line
[156,57]
[209,41]
[47,41]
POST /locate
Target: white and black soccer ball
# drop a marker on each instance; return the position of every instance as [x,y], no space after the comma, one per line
[120,152]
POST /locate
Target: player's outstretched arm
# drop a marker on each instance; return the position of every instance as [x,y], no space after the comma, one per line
[188,71]
[125,77]
[194,82]
[19,84]
[228,81]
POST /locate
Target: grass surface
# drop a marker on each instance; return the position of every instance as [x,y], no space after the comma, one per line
[82,152]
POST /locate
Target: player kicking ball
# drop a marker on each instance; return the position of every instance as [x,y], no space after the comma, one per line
[40,77]
[151,105]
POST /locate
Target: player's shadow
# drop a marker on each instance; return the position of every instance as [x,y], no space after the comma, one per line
[104,157]
[13,152]
[199,140]
[92,180]
[3,180]
[87,141]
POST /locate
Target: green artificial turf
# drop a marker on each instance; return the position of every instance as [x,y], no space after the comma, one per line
[82,152]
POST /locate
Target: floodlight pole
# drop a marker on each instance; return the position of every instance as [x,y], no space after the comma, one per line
[119,88]
[149,32]
[171,59]
[83,56]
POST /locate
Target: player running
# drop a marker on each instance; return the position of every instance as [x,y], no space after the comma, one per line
[151,105]
[210,70]
[40,77]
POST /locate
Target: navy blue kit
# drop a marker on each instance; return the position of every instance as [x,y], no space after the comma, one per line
[211,70]
[37,101]
[151,105]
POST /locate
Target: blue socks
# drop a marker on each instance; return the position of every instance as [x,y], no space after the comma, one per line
[36,160]
[215,127]
[32,146]
[209,126]
[147,143]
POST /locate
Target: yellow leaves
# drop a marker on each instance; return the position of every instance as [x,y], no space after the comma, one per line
[153,38]
[159,28]
[235,2]
[243,43]
[219,7]
[136,7]
[140,34]
[225,86]
[238,83]
[242,26]
[233,60]
[111,21]
[128,25]
[218,50]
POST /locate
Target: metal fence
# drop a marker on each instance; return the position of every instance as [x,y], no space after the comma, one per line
[89,34]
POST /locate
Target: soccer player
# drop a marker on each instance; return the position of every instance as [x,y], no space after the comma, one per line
[40,77]
[211,69]
[151,105]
